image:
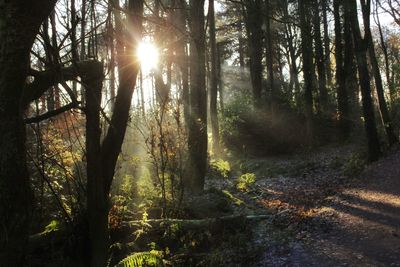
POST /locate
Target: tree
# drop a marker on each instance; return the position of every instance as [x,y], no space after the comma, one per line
[102,156]
[387,122]
[342,92]
[308,66]
[363,73]
[252,13]
[270,51]
[213,78]
[319,57]
[197,139]
[18,29]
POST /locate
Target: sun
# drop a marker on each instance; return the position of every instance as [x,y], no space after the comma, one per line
[147,54]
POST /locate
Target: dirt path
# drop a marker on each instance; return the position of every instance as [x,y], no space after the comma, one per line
[365,220]
[358,227]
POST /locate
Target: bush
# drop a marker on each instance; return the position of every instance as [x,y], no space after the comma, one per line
[245,181]
[220,168]
[355,165]
[260,132]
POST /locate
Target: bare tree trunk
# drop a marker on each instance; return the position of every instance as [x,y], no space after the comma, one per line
[18,28]
[270,53]
[387,122]
[325,7]
[319,58]
[362,64]
[342,92]
[197,139]
[97,198]
[102,159]
[392,90]
[214,79]
[253,20]
[306,43]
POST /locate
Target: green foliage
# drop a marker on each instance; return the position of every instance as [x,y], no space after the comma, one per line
[231,197]
[245,181]
[166,145]
[221,167]
[233,113]
[54,225]
[143,259]
[355,165]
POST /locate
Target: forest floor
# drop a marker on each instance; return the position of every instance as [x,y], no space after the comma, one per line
[326,210]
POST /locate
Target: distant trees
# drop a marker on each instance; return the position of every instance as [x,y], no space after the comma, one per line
[306,58]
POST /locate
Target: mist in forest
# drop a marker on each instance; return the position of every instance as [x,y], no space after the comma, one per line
[199,133]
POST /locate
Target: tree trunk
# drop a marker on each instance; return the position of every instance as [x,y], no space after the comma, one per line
[97,197]
[350,74]
[320,59]
[18,28]
[362,65]
[269,53]
[102,159]
[253,20]
[197,139]
[387,122]
[325,7]
[214,79]
[392,90]
[306,44]
[342,92]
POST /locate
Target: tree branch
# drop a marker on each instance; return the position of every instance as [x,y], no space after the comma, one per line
[51,113]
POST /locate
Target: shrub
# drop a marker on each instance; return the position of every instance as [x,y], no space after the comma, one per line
[245,181]
[220,167]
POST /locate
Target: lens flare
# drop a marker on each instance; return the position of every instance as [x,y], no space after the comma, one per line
[147,54]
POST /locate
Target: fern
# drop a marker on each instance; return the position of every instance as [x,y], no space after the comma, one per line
[141,259]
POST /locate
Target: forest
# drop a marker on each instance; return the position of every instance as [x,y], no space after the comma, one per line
[199,133]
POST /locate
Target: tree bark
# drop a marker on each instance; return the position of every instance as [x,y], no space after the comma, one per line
[362,65]
[342,92]
[327,41]
[387,122]
[320,59]
[97,197]
[270,53]
[253,21]
[18,28]
[306,44]
[102,159]
[214,79]
[197,139]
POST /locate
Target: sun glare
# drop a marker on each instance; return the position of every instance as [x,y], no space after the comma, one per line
[148,56]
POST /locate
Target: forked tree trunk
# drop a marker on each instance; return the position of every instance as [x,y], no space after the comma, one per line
[383,108]
[362,64]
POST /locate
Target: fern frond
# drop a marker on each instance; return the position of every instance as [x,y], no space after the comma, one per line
[143,259]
